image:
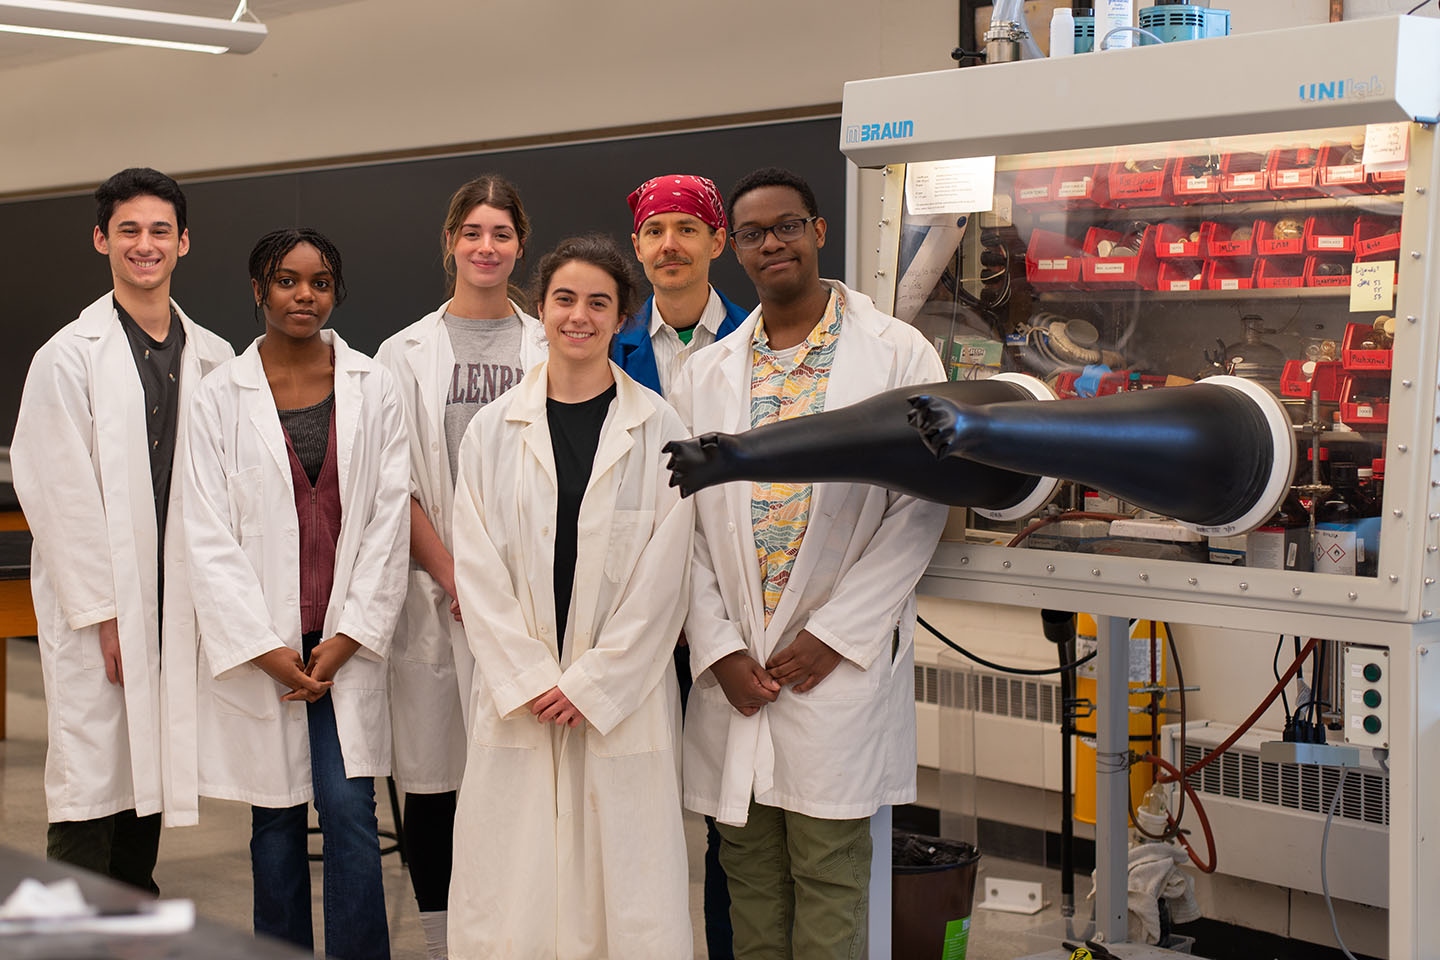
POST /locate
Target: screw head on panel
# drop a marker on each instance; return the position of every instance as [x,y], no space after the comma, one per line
[1403,447]
[964,560]
[1406,383]
[1414,254]
[1244,585]
[1427,614]
[1295,591]
[1145,578]
[1191,580]
[1429,581]
[1353,595]
[1005,564]
[1095,572]
[1398,512]
[1049,568]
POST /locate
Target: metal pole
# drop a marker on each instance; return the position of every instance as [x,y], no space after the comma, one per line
[1112,777]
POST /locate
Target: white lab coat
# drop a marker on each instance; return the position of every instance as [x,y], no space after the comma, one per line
[846,747]
[81,465]
[568,843]
[243,537]
[430,662]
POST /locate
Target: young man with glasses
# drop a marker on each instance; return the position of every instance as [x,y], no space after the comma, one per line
[679,230]
[802,612]
[100,431]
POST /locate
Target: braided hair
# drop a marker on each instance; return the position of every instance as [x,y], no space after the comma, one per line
[270,251]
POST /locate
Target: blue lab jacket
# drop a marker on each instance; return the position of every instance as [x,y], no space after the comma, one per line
[633,352]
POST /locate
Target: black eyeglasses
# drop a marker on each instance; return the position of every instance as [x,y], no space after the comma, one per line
[748,238]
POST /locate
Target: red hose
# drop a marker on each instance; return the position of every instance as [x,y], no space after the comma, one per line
[1229,742]
[1207,867]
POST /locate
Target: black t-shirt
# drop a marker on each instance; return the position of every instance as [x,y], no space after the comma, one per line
[574,436]
[159,367]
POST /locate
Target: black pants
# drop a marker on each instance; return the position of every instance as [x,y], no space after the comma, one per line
[429,845]
[121,846]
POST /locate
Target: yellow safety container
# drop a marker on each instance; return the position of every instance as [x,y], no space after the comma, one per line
[1145,653]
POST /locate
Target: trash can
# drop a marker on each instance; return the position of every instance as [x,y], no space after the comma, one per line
[932,889]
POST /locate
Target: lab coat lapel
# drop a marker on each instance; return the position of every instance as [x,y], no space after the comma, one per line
[615,437]
[349,404]
[733,385]
[529,408]
[249,374]
[432,360]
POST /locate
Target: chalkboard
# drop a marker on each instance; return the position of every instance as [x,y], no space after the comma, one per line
[386,219]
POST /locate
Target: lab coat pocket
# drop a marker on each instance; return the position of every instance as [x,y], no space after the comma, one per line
[86,638]
[848,682]
[363,718]
[644,731]
[629,532]
[246,693]
[423,634]
[247,501]
[520,731]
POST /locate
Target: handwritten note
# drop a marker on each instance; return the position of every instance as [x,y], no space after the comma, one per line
[950,186]
[1387,146]
[1372,286]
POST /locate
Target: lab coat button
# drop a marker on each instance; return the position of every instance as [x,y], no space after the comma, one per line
[544,531]
[730,527]
[434,445]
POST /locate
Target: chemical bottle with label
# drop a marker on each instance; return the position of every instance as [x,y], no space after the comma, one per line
[1283,541]
[1347,526]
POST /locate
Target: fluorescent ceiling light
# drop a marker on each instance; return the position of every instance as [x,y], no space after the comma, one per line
[146,28]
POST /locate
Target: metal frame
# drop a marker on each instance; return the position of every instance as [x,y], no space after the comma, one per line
[960,113]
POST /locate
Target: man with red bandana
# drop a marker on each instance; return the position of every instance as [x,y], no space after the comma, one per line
[679,228]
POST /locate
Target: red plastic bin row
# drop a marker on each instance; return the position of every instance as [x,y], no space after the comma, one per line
[1285,173]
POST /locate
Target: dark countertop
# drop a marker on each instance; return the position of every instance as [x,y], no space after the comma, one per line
[208,940]
[15,554]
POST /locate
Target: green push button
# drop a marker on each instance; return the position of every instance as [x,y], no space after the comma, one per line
[1372,672]
[1372,698]
[1372,724]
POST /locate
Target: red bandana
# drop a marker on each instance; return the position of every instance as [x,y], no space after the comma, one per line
[678,193]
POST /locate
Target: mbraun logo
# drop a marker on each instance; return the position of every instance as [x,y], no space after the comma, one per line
[893,130]
[1342,89]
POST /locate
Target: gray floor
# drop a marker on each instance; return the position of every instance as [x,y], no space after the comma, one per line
[210,863]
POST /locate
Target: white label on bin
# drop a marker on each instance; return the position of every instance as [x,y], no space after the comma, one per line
[1054,264]
[1074,188]
[1034,193]
[1347,173]
[1329,243]
[1231,284]
[1287,177]
[1179,284]
[1197,183]
[1365,411]
[1177,247]
[1110,267]
[1243,179]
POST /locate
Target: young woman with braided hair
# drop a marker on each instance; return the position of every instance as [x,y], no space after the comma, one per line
[297,521]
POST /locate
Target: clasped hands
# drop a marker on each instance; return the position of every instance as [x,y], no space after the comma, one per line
[308,681]
[802,664]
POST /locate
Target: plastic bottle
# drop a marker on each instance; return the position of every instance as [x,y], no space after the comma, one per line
[1110,14]
[1062,33]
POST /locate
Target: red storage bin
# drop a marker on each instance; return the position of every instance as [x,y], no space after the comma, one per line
[1330,233]
[1231,274]
[1178,275]
[1388,181]
[1243,176]
[1193,181]
[1173,240]
[1294,172]
[1313,278]
[1136,272]
[1274,272]
[1081,186]
[1325,378]
[1268,246]
[1338,177]
[1129,188]
[1355,358]
[1035,187]
[1115,381]
[1053,259]
[1216,239]
[1365,402]
[1376,238]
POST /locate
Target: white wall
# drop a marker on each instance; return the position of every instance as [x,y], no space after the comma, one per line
[379,75]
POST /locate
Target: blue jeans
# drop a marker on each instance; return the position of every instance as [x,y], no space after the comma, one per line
[355,924]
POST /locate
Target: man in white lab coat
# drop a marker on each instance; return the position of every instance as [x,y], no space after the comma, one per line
[101,425]
[802,721]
